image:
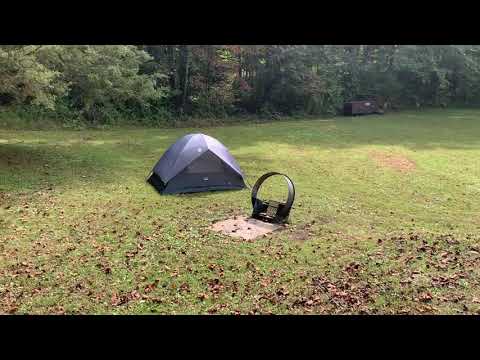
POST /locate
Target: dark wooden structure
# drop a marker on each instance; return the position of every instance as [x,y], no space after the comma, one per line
[361,108]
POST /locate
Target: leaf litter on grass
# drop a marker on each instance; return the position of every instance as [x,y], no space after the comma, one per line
[95,245]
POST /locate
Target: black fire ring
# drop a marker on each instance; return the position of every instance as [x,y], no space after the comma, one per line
[269,210]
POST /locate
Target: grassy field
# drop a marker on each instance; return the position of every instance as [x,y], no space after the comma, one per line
[386,220]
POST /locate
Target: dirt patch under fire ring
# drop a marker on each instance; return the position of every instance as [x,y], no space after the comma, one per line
[245,228]
[393,161]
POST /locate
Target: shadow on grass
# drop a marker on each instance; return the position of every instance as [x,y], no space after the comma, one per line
[113,156]
[24,167]
[414,132]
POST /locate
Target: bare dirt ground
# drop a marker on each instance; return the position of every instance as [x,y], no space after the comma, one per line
[393,161]
[245,228]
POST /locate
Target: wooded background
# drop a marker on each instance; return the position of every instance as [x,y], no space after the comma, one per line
[97,83]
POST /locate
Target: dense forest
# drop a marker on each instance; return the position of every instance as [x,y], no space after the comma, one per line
[100,83]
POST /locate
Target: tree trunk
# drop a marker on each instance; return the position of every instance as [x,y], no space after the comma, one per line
[185,81]
[209,60]
[239,58]
[172,67]
[183,77]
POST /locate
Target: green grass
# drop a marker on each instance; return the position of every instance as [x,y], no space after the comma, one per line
[81,231]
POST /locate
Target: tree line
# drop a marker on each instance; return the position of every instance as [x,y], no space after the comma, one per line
[99,82]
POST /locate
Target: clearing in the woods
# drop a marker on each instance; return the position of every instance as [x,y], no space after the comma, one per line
[386,220]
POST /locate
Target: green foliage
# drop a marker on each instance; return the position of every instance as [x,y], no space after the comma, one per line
[24,80]
[108,84]
[104,79]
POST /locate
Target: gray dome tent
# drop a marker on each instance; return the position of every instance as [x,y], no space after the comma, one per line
[195,163]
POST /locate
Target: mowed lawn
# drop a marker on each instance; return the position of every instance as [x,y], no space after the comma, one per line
[386,220]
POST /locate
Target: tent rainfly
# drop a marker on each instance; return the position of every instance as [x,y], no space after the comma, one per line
[196,163]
